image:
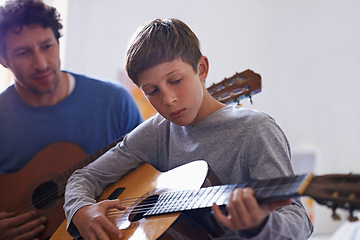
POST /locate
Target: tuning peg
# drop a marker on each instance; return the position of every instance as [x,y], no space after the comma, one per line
[352,218]
[334,214]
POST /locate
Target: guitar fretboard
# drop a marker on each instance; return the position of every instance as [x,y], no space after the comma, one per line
[272,189]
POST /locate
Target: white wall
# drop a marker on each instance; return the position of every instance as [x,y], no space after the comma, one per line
[307,52]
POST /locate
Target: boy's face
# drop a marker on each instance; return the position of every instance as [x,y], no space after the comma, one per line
[176,91]
[33,57]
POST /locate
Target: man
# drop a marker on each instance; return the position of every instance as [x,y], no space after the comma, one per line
[46,105]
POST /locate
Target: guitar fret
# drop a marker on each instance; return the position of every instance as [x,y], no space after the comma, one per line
[296,182]
[286,190]
[219,194]
[279,188]
[201,198]
[186,200]
[204,197]
[166,208]
[162,202]
[273,186]
[171,202]
[223,199]
[209,197]
[195,198]
[156,208]
[252,184]
[187,197]
[260,189]
[176,204]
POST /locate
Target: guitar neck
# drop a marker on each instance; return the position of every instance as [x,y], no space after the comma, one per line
[265,190]
[66,174]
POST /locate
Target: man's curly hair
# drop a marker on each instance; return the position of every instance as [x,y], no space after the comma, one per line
[15,14]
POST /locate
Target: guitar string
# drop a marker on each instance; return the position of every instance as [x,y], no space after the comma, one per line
[141,209]
[125,202]
[30,205]
[144,208]
[131,200]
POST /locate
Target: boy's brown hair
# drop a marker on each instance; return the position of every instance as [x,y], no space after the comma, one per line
[161,41]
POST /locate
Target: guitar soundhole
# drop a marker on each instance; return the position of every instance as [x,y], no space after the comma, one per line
[44,195]
[145,205]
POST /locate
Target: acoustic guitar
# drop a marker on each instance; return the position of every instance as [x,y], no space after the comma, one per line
[40,185]
[175,204]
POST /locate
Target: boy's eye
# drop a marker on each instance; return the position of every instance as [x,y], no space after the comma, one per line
[152,92]
[176,81]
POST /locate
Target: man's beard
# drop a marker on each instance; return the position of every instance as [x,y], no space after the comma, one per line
[39,91]
[43,92]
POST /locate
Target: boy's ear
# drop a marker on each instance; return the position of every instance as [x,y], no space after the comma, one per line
[203,67]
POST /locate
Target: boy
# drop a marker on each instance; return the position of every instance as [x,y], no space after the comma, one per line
[165,61]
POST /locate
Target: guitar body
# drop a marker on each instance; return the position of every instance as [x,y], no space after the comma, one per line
[37,186]
[175,204]
[143,182]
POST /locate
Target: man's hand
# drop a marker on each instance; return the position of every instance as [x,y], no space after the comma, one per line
[244,212]
[20,227]
[92,222]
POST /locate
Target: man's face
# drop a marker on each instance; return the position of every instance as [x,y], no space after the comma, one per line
[33,57]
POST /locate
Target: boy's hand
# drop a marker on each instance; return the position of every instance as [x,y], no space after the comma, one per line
[92,222]
[244,212]
[24,226]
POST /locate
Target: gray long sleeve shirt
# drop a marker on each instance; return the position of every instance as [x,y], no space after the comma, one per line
[239,144]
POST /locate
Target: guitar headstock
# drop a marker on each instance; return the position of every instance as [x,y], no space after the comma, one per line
[336,191]
[237,87]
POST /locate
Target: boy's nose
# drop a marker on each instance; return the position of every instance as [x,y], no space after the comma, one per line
[169,98]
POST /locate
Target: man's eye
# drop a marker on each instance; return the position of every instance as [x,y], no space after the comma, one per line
[48,46]
[22,53]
